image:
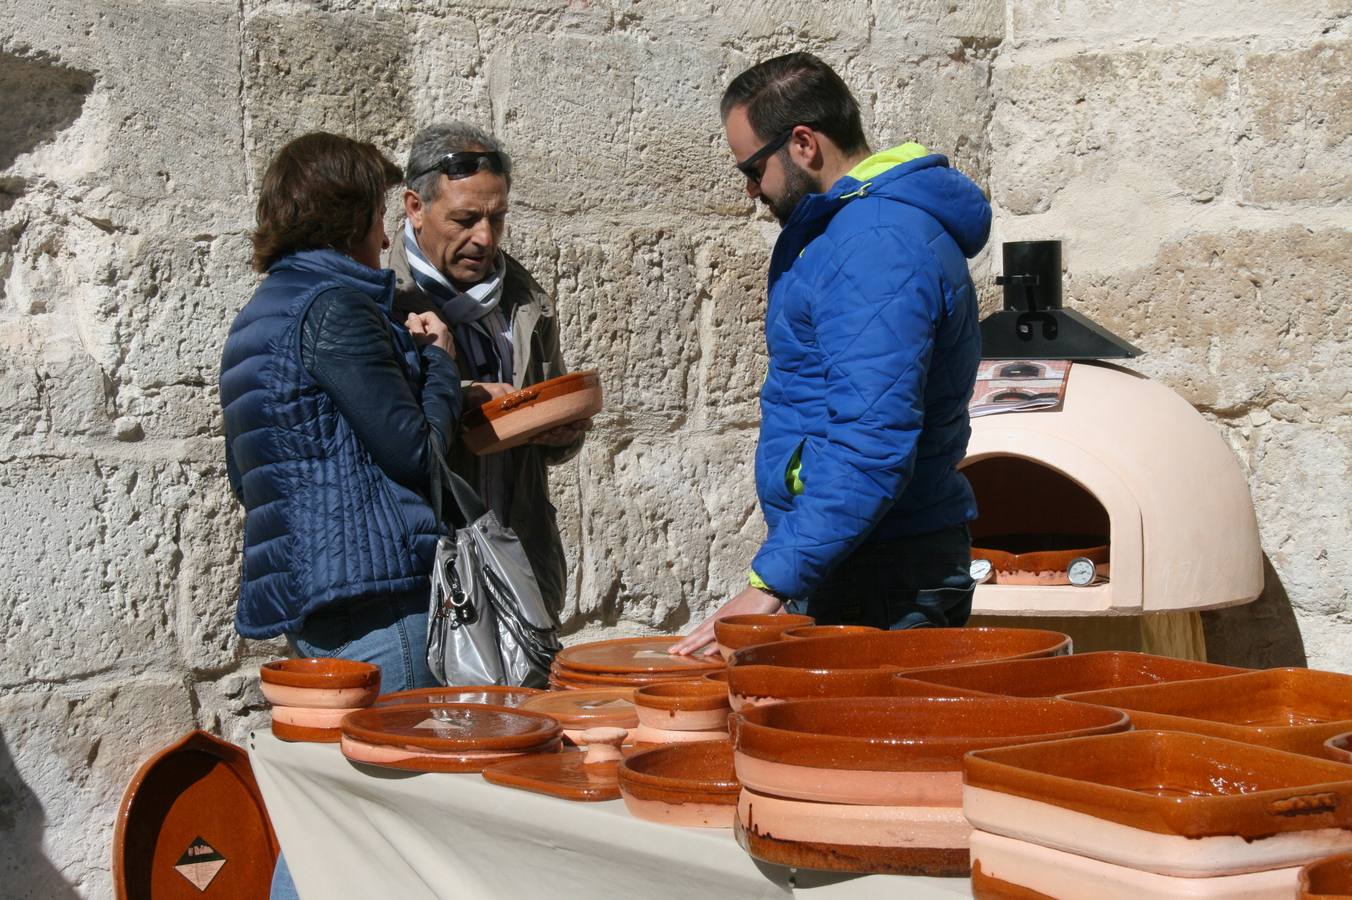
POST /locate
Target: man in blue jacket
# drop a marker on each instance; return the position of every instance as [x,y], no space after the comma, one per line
[873,338]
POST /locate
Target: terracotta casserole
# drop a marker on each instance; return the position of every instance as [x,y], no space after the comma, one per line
[310,696]
[516,418]
[692,784]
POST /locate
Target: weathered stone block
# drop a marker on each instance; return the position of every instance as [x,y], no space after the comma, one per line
[1101,21]
[211,532]
[1297,109]
[945,106]
[732,362]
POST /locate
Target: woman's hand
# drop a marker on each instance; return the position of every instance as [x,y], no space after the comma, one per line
[749,602]
[427,328]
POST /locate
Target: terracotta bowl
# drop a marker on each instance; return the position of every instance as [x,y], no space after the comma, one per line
[512,420]
[858,665]
[1288,709]
[683,706]
[879,751]
[320,683]
[1327,878]
[813,631]
[691,785]
[492,694]
[1057,675]
[1339,747]
[735,632]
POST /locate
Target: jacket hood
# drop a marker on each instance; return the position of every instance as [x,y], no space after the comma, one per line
[928,183]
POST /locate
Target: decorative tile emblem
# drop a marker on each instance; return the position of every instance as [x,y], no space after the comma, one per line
[199,863]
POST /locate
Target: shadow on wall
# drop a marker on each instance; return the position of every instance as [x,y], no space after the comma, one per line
[25,872]
[1259,635]
[44,98]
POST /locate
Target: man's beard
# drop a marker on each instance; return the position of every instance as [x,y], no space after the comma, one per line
[797,185]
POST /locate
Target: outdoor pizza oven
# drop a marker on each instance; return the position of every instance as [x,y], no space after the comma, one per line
[1122,501]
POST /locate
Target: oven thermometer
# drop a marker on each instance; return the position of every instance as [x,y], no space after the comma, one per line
[981,570]
[1081,571]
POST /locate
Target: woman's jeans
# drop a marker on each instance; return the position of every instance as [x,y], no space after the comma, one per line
[390,631]
[923,581]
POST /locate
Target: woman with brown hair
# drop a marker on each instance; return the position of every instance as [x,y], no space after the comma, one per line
[332,409]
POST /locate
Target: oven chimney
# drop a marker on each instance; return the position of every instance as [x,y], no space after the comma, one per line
[1033,324]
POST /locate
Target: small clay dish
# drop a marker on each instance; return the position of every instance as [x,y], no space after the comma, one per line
[451,737]
[691,785]
[683,706]
[735,632]
[813,631]
[579,710]
[632,656]
[1058,675]
[1339,747]
[511,420]
[320,683]
[1327,879]
[1288,709]
[491,694]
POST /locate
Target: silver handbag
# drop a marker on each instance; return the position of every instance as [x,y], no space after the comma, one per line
[486,622]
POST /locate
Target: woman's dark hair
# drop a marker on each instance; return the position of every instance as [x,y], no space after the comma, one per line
[320,190]
[797,89]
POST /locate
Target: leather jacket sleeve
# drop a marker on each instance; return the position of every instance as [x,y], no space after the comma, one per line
[347,347]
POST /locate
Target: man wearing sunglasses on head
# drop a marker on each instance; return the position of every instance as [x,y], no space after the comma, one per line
[872,332]
[448,260]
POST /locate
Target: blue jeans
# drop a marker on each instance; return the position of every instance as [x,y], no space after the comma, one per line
[390,631]
[923,581]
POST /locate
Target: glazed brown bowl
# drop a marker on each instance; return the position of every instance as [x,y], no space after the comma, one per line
[735,632]
[491,694]
[1057,675]
[688,784]
[320,683]
[1327,879]
[860,665]
[683,706]
[1339,747]
[814,631]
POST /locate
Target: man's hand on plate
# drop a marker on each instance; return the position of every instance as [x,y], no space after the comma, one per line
[749,602]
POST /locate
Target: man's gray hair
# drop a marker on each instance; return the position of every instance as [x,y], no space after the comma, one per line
[435,141]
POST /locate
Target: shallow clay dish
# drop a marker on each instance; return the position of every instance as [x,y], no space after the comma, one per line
[1327,878]
[684,706]
[515,418]
[812,631]
[635,679]
[1339,747]
[579,710]
[454,737]
[629,656]
[320,683]
[859,665]
[1059,675]
[736,632]
[1289,709]
[492,694]
[691,784]
[1172,803]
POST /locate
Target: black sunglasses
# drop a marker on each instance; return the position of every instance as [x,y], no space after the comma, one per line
[465,163]
[748,166]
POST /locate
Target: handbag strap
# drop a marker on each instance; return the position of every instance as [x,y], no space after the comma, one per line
[470,505]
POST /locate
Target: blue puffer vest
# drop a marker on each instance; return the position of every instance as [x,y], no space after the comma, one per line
[322,522]
[874,344]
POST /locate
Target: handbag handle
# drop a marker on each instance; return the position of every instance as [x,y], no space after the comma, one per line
[442,478]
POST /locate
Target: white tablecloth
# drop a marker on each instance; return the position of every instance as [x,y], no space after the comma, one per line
[363,832]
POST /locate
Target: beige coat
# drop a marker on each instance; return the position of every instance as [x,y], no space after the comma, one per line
[535,343]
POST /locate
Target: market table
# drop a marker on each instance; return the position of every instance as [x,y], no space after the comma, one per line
[358,831]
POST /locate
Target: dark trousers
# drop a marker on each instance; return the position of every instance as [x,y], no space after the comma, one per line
[913,582]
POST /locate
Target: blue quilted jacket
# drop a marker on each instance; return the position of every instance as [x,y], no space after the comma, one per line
[322,522]
[873,340]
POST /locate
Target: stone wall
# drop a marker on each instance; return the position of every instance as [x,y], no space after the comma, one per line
[1196,161]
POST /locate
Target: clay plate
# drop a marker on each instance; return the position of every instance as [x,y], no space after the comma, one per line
[683,706]
[1328,878]
[736,632]
[1289,709]
[1339,747]
[1059,675]
[513,419]
[451,727]
[491,694]
[692,784]
[629,656]
[812,631]
[578,710]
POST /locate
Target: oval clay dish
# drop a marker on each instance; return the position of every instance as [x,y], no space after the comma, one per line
[458,737]
[690,784]
[514,419]
[630,656]
[1057,675]
[491,694]
[1327,879]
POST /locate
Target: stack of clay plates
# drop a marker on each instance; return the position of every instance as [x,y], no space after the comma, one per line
[681,712]
[862,665]
[311,696]
[874,784]
[1289,709]
[626,662]
[1151,814]
[514,419]
[445,737]
[1055,676]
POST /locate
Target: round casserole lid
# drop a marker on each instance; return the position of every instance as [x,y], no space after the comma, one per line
[628,656]
[587,708]
[451,727]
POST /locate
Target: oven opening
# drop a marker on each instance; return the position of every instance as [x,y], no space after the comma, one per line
[1035,525]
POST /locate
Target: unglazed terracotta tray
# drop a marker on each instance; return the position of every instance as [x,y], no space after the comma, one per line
[493,695]
[630,656]
[516,418]
[453,737]
[688,784]
[1057,675]
[860,665]
[1327,879]
[735,632]
[1289,709]
[1172,803]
